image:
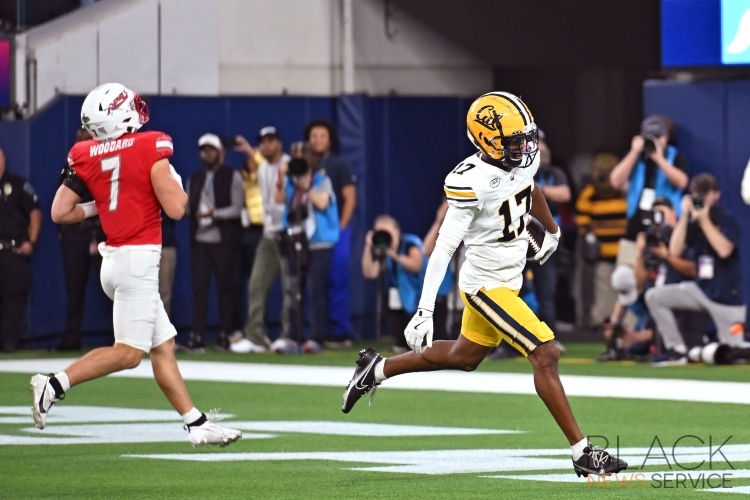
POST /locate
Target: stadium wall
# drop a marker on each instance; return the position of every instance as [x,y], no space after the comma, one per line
[401,148]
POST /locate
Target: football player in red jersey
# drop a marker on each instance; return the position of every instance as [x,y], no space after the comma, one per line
[131,180]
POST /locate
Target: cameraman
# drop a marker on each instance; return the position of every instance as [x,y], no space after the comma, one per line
[403,259]
[708,235]
[653,266]
[310,221]
[652,168]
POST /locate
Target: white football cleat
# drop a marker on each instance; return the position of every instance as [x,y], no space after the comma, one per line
[245,346]
[44,398]
[210,433]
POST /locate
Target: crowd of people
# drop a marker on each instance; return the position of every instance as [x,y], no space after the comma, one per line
[664,242]
[643,228]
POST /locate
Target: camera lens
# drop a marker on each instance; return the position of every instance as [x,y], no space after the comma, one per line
[381,239]
[648,146]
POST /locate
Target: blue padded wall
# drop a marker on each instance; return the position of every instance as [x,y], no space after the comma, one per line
[713,131]
[399,147]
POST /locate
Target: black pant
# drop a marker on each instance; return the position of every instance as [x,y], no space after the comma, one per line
[243,266]
[310,282]
[219,257]
[15,282]
[77,262]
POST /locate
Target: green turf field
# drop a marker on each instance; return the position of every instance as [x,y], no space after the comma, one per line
[118,438]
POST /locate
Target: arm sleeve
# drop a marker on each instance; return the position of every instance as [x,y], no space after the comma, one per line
[457,219]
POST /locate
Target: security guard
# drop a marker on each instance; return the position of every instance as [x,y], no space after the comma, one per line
[20,222]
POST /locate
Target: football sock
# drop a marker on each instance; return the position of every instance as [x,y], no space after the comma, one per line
[380,371]
[192,417]
[578,448]
[62,377]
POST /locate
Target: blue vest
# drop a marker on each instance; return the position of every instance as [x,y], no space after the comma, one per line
[410,284]
[662,185]
[326,220]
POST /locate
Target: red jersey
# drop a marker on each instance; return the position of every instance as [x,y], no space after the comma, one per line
[117,173]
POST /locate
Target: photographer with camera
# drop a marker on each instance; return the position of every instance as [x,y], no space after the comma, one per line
[652,168]
[310,229]
[654,266]
[708,235]
[401,257]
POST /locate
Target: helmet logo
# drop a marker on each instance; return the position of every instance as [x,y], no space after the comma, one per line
[117,102]
[488,117]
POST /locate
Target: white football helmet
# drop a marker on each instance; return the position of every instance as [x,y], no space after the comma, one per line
[111,110]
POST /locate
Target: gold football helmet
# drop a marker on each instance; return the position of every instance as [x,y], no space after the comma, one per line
[501,126]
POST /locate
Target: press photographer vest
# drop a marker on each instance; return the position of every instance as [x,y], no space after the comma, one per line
[662,186]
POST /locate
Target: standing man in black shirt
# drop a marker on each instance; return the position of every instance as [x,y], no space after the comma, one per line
[20,223]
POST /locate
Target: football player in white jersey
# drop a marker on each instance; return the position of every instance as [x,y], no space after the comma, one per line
[490,195]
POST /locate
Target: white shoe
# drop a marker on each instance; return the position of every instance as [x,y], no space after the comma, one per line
[44,399]
[285,346]
[210,433]
[244,346]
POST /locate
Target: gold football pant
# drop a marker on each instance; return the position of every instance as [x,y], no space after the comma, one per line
[491,316]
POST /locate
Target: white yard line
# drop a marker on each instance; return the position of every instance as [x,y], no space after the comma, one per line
[452,381]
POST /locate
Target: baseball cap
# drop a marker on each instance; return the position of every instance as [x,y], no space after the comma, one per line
[654,125]
[210,140]
[623,281]
[661,200]
[269,132]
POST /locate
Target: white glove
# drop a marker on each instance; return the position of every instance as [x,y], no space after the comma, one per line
[175,175]
[418,328]
[549,245]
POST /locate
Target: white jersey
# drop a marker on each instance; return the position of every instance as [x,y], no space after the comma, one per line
[496,239]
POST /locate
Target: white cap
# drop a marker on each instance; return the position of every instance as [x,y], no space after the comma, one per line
[623,281]
[210,140]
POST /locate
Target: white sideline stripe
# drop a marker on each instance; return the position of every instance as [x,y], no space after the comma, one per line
[452,381]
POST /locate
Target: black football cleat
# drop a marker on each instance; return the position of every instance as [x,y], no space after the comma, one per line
[363,380]
[597,461]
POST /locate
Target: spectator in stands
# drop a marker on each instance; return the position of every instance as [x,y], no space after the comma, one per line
[709,235]
[323,139]
[602,222]
[252,232]
[215,204]
[653,167]
[167,262]
[268,264]
[553,183]
[310,221]
[79,245]
[20,224]
[401,257]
